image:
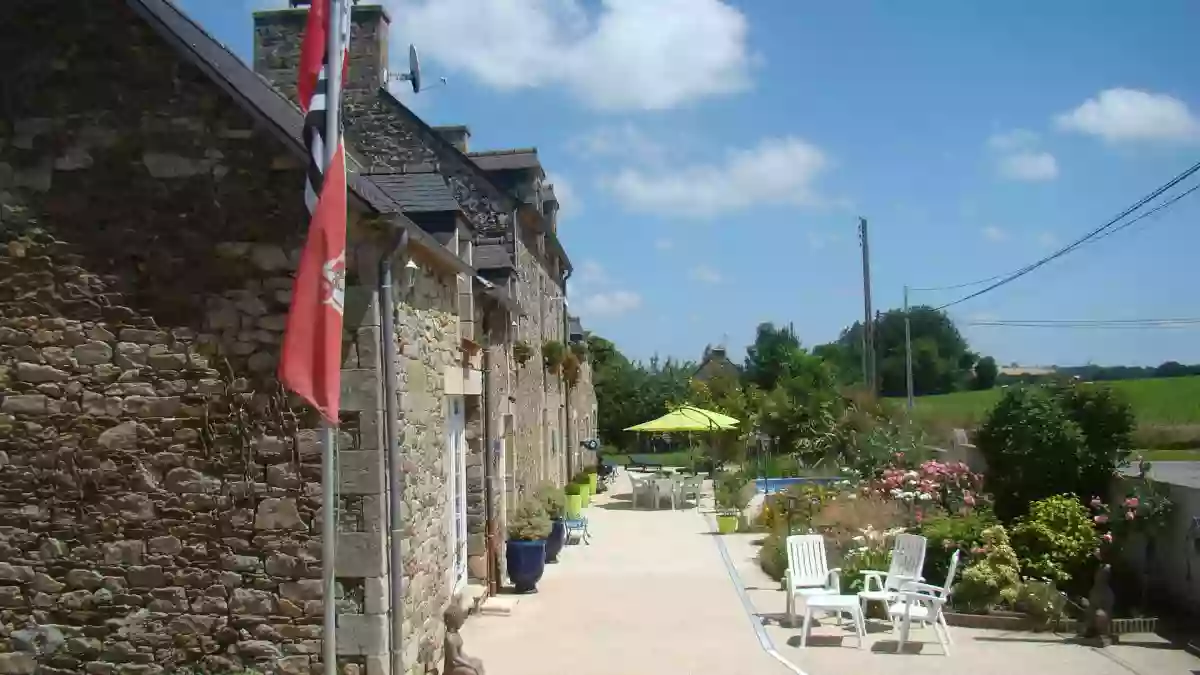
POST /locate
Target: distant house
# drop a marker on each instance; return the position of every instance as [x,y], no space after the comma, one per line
[1015,370]
[715,364]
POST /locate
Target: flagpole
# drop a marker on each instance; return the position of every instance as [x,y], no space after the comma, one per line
[333,110]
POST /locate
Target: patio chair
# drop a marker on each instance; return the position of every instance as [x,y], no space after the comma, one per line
[640,488]
[908,558]
[665,488]
[808,572]
[924,603]
[691,487]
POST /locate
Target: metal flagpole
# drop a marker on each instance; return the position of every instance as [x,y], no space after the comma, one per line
[333,109]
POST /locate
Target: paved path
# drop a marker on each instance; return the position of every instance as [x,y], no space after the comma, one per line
[651,594]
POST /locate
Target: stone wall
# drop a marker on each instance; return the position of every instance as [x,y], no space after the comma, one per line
[583,413]
[159,493]
[427,342]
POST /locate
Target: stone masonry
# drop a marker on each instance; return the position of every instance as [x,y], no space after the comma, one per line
[388,137]
[159,492]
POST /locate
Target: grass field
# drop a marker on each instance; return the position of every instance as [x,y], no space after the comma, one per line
[1167,409]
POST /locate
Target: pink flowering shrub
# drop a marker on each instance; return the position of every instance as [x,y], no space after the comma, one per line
[950,485]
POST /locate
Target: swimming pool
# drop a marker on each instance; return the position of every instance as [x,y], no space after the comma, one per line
[773,485]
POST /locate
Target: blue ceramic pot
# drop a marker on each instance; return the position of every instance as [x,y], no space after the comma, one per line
[554,543]
[526,562]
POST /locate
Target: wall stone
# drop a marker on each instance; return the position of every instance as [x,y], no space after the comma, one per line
[159,493]
[427,342]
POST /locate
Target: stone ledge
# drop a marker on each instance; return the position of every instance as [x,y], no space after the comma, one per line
[360,472]
[360,554]
[360,634]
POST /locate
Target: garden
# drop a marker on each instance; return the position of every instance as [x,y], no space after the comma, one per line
[1045,540]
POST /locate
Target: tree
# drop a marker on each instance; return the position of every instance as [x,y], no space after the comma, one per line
[767,358]
[986,373]
[629,392]
[942,362]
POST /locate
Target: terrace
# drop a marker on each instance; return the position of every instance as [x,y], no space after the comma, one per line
[660,591]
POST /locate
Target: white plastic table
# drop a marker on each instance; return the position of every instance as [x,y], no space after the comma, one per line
[834,603]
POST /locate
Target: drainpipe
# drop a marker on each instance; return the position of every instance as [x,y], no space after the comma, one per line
[489,490]
[387,323]
[567,440]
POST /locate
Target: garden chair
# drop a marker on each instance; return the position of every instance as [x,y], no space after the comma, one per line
[908,559]
[808,572]
[690,488]
[640,487]
[665,488]
[924,603]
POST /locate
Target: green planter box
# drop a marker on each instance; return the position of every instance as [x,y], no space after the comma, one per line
[574,506]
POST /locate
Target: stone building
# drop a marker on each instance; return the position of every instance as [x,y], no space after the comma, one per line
[517,431]
[159,492]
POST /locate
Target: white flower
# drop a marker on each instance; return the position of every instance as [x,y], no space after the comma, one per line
[860,539]
[895,492]
[925,496]
[911,475]
[852,496]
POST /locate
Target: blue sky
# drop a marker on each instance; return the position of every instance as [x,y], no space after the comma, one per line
[713,156]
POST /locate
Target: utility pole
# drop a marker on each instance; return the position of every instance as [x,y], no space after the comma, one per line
[868,360]
[908,375]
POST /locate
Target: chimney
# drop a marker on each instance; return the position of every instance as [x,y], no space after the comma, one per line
[456,135]
[277,38]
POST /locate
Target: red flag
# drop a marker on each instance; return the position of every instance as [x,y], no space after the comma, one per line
[312,51]
[311,361]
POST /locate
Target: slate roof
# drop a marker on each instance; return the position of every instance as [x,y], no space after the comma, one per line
[260,99]
[416,192]
[492,257]
[500,160]
[575,328]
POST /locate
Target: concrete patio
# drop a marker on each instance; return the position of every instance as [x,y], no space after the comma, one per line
[655,592]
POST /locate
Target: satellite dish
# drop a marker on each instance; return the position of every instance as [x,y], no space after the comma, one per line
[413,75]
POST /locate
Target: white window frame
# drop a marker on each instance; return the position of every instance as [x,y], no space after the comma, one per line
[456,491]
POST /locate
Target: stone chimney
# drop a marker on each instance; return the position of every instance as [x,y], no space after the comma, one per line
[456,135]
[277,37]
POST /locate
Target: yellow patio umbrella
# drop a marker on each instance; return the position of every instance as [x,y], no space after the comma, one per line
[687,418]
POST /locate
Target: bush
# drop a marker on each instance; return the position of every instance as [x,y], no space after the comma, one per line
[841,520]
[949,532]
[772,557]
[871,550]
[1042,602]
[992,580]
[553,499]
[1055,541]
[573,489]
[949,485]
[1032,450]
[529,520]
[1040,442]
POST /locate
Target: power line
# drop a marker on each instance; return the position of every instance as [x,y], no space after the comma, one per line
[1092,323]
[1090,236]
[1149,213]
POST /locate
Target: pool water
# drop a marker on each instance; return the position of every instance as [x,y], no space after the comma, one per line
[773,485]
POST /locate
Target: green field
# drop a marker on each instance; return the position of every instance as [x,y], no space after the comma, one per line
[1167,409]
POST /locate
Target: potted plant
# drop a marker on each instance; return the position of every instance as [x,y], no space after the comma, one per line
[585,488]
[554,502]
[521,352]
[574,500]
[528,527]
[552,354]
[730,494]
[593,476]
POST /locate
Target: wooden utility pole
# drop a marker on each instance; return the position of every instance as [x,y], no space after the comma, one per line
[868,339]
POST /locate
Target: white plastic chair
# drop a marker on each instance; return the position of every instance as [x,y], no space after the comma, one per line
[665,488]
[924,603]
[639,488]
[808,572]
[908,559]
[690,488]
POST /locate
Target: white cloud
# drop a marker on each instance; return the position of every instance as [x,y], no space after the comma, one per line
[1117,115]
[706,274]
[1029,166]
[664,244]
[626,141]
[569,203]
[1010,141]
[625,54]
[591,273]
[1047,240]
[994,234]
[1018,156]
[609,304]
[776,171]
